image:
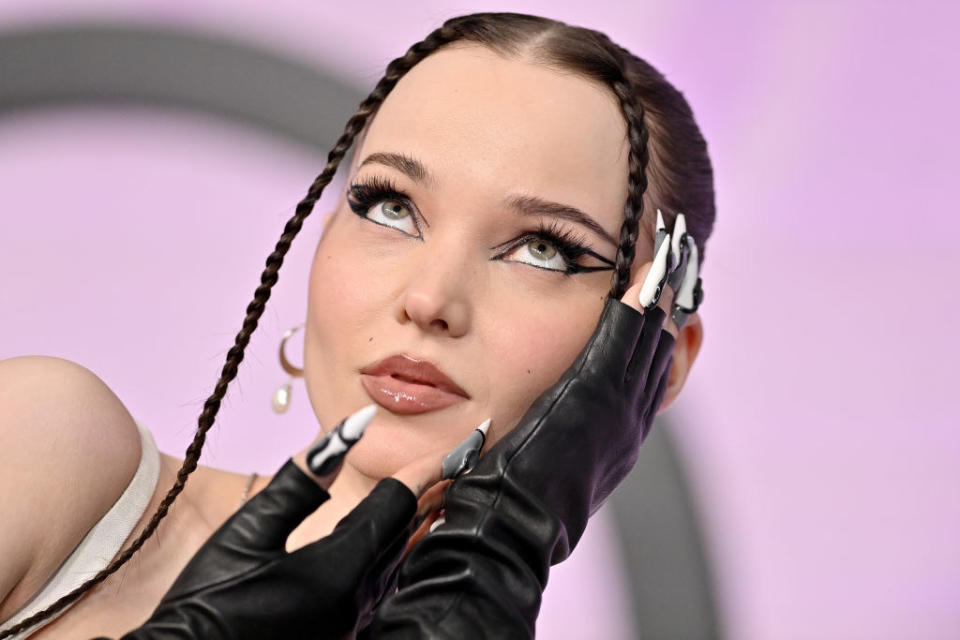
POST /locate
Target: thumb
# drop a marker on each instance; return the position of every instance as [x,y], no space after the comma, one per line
[427,470]
[324,458]
[268,518]
[265,522]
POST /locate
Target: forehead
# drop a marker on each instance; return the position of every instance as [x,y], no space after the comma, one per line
[485,125]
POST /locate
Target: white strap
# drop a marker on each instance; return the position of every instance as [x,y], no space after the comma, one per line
[102,542]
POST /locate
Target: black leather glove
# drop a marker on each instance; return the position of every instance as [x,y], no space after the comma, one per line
[242,583]
[526,503]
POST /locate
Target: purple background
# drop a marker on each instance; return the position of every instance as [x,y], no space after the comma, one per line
[815,423]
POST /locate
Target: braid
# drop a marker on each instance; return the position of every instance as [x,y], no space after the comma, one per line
[636,183]
[588,52]
[395,70]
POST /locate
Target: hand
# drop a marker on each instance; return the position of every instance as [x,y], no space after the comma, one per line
[242,583]
[525,504]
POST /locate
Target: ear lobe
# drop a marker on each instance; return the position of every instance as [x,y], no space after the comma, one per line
[685,353]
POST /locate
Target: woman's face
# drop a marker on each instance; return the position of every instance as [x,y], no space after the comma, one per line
[451,272]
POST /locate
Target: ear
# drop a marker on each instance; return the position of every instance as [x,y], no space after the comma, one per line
[685,351]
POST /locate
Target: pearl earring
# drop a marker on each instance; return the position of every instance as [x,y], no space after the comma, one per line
[281,397]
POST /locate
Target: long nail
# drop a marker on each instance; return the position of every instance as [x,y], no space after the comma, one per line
[661,234]
[679,252]
[326,455]
[466,454]
[653,284]
[436,523]
[690,294]
[356,424]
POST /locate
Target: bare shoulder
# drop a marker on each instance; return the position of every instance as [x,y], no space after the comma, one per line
[69,449]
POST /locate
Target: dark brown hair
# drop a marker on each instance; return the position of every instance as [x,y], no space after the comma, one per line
[666,148]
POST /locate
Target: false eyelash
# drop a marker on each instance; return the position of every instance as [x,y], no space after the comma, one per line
[366,194]
[570,245]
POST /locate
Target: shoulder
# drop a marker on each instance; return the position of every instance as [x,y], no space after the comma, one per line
[69,450]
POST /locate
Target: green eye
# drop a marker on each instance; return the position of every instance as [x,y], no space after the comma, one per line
[395,210]
[541,250]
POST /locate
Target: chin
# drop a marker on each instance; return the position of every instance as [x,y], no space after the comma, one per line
[391,442]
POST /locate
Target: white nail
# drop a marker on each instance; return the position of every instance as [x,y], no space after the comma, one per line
[436,523]
[355,425]
[648,291]
[484,426]
[660,224]
[684,297]
[679,228]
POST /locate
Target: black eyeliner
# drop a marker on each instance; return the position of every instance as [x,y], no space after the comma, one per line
[363,195]
[570,245]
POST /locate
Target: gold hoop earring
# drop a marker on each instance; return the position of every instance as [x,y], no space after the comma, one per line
[281,397]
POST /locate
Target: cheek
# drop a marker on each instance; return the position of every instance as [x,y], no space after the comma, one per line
[341,299]
[334,277]
[534,350]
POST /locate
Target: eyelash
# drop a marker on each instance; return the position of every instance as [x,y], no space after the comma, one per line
[570,245]
[377,189]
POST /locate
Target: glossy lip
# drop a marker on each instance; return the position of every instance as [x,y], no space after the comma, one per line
[407,385]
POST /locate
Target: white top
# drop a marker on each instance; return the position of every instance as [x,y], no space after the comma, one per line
[101,543]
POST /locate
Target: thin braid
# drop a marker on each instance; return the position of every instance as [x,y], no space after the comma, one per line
[636,183]
[395,70]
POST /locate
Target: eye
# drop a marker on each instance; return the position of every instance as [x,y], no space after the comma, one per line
[393,213]
[380,202]
[551,247]
[539,253]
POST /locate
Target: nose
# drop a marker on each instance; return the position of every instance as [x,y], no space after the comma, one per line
[437,294]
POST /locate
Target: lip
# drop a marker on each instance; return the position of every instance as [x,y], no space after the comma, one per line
[407,385]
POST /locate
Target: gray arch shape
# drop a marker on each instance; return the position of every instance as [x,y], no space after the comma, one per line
[671,584]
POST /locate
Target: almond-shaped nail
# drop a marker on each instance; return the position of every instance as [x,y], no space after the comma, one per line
[653,284]
[356,424]
[436,523]
[679,252]
[467,453]
[690,293]
[661,233]
[325,456]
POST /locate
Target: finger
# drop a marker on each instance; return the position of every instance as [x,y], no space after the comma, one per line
[662,279]
[429,508]
[465,454]
[432,498]
[366,544]
[268,518]
[425,526]
[644,354]
[656,277]
[690,291]
[680,252]
[325,457]
[430,468]
[653,278]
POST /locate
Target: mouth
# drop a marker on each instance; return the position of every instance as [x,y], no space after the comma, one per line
[407,385]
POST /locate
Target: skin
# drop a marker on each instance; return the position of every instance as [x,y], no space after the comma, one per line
[503,330]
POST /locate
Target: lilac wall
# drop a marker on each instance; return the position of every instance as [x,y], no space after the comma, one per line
[816,420]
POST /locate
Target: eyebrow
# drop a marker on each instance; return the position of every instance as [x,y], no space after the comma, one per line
[522,204]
